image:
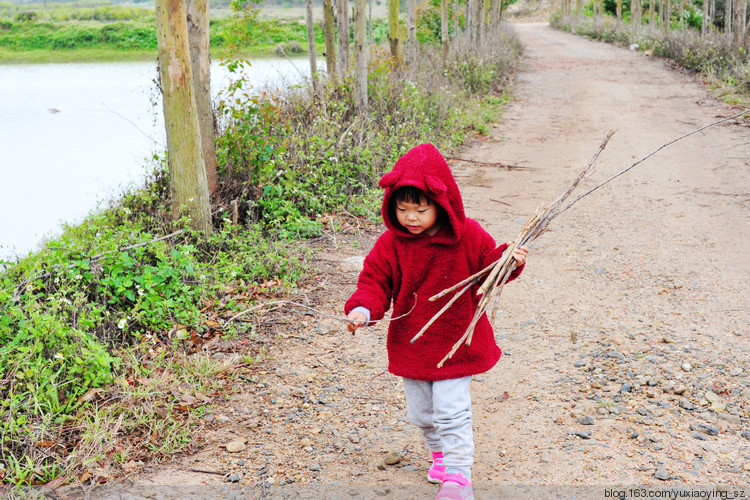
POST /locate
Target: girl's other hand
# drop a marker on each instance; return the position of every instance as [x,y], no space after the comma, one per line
[519,254]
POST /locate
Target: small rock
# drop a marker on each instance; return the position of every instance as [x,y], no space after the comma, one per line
[626,388]
[583,434]
[746,435]
[381,467]
[233,478]
[580,363]
[305,442]
[392,458]
[718,407]
[700,436]
[587,420]
[240,463]
[685,404]
[712,397]
[410,468]
[235,446]
[686,367]
[662,474]
[353,263]
[680,390]
[711,431]
[314,467]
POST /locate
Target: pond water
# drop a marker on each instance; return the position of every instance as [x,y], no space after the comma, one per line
[73,136]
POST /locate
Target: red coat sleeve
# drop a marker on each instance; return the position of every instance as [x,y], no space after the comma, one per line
[375,283]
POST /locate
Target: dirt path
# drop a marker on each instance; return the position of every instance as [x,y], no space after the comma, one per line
[633,312]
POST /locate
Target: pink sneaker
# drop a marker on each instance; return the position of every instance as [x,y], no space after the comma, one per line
[437,469]
[455,487]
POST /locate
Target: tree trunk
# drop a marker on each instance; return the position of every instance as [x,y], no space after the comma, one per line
[469,20]
[456,25]
[394,33]
[619,10]
[311,46]
[478,5]
[651,12]
[200,62]
[635,13]
[704,20]
[738,24]
[411,41]
[361,53]
[343,10]
[330,38]
[444,25]
[186,165]
[369,23]
[728,17]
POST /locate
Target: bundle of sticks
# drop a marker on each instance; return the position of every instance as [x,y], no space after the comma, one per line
[497,274]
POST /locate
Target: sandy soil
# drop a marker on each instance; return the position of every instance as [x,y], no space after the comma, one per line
[643,285]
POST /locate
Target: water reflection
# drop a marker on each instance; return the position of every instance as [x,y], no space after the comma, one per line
[73,135]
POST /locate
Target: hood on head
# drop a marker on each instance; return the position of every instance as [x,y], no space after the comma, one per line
[425,168]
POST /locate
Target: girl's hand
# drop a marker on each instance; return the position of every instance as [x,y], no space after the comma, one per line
[358,319]
[519,254]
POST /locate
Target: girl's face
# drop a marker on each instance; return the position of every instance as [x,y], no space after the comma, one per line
[418,218]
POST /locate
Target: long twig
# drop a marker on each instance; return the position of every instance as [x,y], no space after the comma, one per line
[316,311]
[652,153]
[535,227]
[143,244]
[440,313]
[490,163]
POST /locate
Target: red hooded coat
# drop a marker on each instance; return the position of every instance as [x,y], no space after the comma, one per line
[406,268]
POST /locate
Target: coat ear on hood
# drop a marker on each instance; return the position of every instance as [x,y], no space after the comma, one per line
[425,168]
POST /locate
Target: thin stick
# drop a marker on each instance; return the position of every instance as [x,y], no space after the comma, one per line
[471,278]
[122,249]
[652,153]
[491,163]
[204,471]
[440,313]
[316,311]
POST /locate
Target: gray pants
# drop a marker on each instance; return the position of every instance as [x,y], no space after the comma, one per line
[442,411]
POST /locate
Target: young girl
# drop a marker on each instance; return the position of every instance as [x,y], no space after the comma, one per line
[430,245]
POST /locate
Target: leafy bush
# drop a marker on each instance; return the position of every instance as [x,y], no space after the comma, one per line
[294,158]
[103,284]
